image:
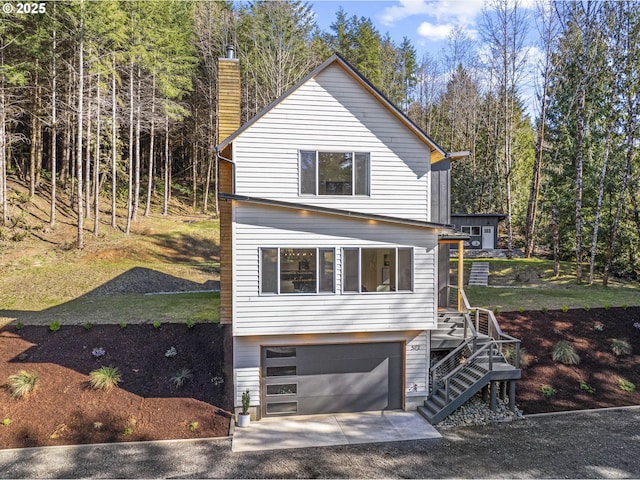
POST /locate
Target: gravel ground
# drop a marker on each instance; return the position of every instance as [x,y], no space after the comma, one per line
[598,444]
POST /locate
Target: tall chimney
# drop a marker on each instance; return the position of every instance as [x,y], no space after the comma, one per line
[228,94]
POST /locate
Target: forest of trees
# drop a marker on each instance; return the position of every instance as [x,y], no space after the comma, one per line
[116,99]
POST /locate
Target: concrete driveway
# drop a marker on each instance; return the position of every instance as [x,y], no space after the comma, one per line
[598,444]
[330,430]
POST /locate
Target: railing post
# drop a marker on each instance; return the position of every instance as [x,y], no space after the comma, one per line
[460,273]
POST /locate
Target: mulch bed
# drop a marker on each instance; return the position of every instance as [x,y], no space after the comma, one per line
[599,368]
[64,409]
[147,405]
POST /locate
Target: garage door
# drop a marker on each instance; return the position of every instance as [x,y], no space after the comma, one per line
[313,379]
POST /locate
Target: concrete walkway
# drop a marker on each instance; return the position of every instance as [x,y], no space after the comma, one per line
[330,430]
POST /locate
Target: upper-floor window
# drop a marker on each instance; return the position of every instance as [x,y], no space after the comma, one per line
[297,270]
[377,269]
[334,173]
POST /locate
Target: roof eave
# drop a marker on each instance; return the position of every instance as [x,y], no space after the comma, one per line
[336,212]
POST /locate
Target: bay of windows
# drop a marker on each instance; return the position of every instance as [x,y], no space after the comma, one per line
[334,173]
[312,270]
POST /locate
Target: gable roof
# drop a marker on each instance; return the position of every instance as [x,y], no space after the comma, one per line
[375,93]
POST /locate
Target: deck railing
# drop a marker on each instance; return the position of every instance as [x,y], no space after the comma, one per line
[487,324]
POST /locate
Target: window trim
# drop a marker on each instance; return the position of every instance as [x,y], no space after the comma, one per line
[318,250]
[317,153]
[397,265]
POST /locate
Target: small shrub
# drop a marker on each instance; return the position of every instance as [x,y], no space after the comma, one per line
[6,422]
[22,383]
[564,308]
[626,385]
[88,326]
[105,378]
[586,308]
[217,381]
[191,323]
[607,306]
[157,324]
[598,327]
[246,402]
[496,310]
[587,388]
[547,391]
[98,352]
[127,431]
[521,309]
[564,352]
[19,326]
[122,324]
[636,325]
[620,348]
[180,378]
[54,326]
[510,356]
[172,352]
[624,306]
[193,426]
[544,310]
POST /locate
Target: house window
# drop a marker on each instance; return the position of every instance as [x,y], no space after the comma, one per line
[470,230]
[377,270]
[334,173]
[297,270]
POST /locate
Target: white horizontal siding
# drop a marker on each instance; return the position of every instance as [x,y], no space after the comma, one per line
[246,352]
[332,112]
[255,314]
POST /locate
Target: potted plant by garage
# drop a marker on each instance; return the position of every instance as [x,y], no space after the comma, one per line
[244,418]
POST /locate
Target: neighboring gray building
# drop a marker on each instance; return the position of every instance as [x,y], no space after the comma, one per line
[482,229]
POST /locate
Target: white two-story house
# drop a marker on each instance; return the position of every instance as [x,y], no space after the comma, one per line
[332,205]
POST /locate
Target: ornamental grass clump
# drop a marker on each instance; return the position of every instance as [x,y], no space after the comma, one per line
[620,348]
[564,352]
[180,378]
[105,378]
[22,383]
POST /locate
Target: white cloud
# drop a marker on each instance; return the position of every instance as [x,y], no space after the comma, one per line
[405,9]
[434,32]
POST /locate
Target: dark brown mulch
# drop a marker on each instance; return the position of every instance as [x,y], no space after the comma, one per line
[599,367]
[146,405]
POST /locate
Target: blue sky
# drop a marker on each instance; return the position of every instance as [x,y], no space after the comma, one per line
[427,23]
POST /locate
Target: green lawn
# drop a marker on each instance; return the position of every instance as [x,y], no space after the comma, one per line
[529,284]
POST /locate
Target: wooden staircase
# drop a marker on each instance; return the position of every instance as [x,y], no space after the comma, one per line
[476,358]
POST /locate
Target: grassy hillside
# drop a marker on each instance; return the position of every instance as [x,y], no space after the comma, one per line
[43,275]
[530,284]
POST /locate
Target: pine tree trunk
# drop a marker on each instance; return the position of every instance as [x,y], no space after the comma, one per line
[87,164]
[147,210]
[194,175]
[114,145]
[130,185]
[96,167]
[79,123]
[136,195]
[54,128]
[556,241]
[165,204]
